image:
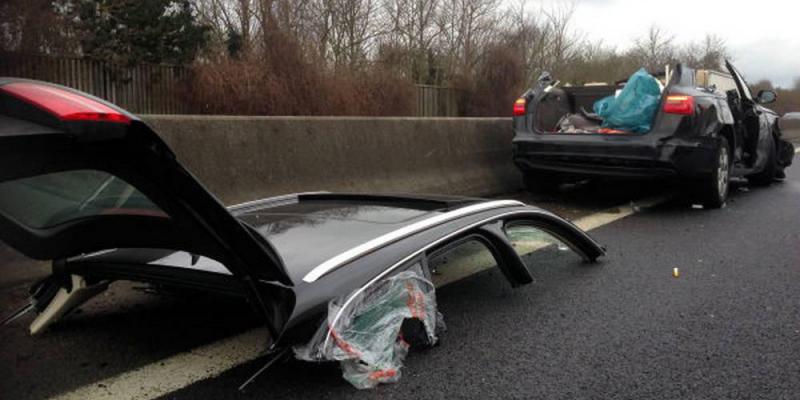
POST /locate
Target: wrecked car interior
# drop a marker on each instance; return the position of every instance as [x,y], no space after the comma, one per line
[627,107]
[700,126]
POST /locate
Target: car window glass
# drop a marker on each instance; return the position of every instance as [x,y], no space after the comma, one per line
[460,261]
[538,248]
[44,201]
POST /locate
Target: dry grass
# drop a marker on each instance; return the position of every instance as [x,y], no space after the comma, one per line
[281,81]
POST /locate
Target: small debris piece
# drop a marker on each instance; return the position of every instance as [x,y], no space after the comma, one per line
[368,331]
[676,273]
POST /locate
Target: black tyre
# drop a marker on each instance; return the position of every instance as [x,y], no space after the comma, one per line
[712,192]
[768,174]
[540,182]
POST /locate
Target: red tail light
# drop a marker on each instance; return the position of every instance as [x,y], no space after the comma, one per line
[679,104]
[519,106]
[64,104]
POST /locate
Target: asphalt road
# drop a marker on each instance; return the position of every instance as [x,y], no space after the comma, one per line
[728,327]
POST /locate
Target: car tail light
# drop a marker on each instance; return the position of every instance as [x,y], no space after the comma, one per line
[519,106]
[679,104]
[64,104]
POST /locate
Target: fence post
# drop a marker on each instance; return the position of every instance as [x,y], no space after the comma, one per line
[435,101]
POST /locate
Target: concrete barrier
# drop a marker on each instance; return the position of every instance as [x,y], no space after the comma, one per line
[790,127]
[245,158]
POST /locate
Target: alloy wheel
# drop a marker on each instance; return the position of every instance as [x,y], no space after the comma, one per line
[723,172]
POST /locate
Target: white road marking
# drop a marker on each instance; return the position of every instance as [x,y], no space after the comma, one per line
[599,219]
[483,261]
[176,372]
[208,361]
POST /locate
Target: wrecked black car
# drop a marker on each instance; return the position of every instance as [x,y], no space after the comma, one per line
[92,188]
[700,126]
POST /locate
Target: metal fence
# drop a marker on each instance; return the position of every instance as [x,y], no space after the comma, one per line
[156,89]
[144,88]
[436,101]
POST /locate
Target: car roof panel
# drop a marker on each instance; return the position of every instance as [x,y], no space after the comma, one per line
[307,233]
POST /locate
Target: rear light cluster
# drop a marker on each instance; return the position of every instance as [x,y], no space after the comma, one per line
[520,107]
[64,104]
[679,104]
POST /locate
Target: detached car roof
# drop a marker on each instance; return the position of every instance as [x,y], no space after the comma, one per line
[332,224]
[93,188]
[308,229]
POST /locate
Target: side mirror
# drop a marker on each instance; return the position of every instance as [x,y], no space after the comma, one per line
[766,97]
[545,78]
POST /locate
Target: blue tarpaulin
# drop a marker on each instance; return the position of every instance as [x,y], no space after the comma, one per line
[635,107]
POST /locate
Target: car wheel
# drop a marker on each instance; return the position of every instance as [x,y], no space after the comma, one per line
[713,191]
[539,182]
[768,174]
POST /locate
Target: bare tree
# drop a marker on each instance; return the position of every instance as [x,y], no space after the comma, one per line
[709,53]
[233,23]
[345,30]
[563,43]
[250,25]
[655,49]
[36,26]
[486,47]
[528,36]
[466,28]
[547,40]
[411,25]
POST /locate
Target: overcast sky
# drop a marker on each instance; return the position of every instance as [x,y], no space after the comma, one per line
[763,35]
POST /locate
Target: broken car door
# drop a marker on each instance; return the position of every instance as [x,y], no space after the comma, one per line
[79,175]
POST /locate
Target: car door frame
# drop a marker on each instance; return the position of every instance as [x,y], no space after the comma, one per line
[495,243]
[197,221]
[491,230]
[763,135]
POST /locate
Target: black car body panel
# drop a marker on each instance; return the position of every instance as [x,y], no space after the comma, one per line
[331,225]
[288,255]
[677,145]
[187,218]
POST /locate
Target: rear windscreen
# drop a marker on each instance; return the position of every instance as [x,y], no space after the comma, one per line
[48,200]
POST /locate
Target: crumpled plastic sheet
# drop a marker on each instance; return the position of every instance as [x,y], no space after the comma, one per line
[635,107]
[363,329]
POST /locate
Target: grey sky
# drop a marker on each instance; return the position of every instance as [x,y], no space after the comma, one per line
[763,35]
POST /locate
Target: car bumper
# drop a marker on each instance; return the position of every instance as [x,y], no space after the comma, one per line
[647,155]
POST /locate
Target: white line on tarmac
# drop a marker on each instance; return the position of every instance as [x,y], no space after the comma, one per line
[601,218]
[181,370]
[176,372]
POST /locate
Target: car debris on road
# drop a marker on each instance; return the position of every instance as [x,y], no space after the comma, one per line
[370,332]
[94,189]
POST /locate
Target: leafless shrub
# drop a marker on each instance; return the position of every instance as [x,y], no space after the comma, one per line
[499,79]
[281,81]
[336,57]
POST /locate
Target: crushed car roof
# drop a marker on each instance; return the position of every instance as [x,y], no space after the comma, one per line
[307,233]
[116,191]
